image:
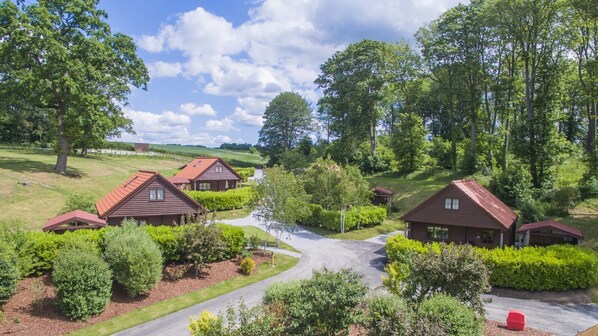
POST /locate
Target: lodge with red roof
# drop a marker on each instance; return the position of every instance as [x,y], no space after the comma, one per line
[463,212]
[207,173]
[147,196]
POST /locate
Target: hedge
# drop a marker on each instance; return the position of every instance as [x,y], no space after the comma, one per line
[556,267]
[362,216]
[245,172]
[233,237]
[168,239]
[223,200]
[9,272]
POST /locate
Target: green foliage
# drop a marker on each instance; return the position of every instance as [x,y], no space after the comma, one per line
[371,164]
[563,199]
[207,324]
[356,217]
[588,187]
[556,267]
[233,238]
[247,266]
[135,259]
[387,315]
[83,282]
[512,186]
[245,173]
[223,200]
[202,244]
[409,142]
[83,202]
[287,291]
[440,151]
[445,313]
[9,272]
[168,239]
[531,211]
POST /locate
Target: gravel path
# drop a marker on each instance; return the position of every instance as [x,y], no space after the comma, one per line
[368,258]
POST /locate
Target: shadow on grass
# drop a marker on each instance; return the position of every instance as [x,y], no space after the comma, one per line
[22,165]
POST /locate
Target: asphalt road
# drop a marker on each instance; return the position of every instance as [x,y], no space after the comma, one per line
[367,258]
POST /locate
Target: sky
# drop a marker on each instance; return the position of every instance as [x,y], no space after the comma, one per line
[216,64]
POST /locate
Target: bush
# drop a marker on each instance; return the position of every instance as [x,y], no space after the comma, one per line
[134,258]
[245,173]
[512,186]
[282,292]
[169,239]
[83,202]
[247,266]
[83,282]
[223,200]
[356,217]
[449,316]
[531,211]
[588,187]
[207,324]
[387,315]
[563,199]
[9,272]
[234,239]
[202,244]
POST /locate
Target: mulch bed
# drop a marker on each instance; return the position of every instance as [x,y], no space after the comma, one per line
[31,310]
[494,328]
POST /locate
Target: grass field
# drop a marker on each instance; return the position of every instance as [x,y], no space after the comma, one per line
[43,198]
[234,158]
[268,238]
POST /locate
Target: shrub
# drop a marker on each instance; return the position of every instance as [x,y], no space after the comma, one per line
[9,272]
[233,238]
[563,199]
[207,324]
[531,211]
[202,244]
[446,314]
[223,200]
[83,202]
[247,266]
[245,173]
[356,217]
[134,258]
[39,251]
[588,187]
[169,239]
[282,292]
[387,315]
[83,282]
[512,186]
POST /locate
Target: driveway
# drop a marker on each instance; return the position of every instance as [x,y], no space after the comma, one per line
[367,258]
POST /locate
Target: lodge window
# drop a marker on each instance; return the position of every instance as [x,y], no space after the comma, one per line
[487,237]
[451,203]
[219,169]
[156,195]
[205,186]
[438,233]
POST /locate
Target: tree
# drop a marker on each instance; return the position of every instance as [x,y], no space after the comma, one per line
[409,142]
[61,57]
[280,201]
[287,120]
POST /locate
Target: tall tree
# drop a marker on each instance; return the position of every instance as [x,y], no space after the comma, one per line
[354,82]
[287,120]
[409,142]
[61,56]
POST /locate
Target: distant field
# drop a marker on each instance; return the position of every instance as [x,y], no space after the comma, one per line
[234,158]
[45,196]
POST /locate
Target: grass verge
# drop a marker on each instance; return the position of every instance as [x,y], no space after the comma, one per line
[270,239]
[166,307]
[388,226]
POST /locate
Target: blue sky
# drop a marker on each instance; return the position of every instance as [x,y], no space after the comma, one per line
[216,64]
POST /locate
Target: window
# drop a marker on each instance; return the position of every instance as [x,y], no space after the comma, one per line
[438,233]
[451,203]
[204,186]
[219,169]
[156,194]
[487,237]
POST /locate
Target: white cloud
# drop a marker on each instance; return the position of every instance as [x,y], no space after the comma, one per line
[193,109]
[164,69]
[244,117]
[223,125]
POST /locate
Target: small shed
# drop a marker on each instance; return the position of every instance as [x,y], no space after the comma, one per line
[549,232]
[74,220]
[382,196]
[142,147]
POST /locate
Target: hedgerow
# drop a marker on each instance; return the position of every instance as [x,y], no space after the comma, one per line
[245,173]
[223,200]
[234,239]
[556,267]
[9,272]
[168,239]
[356,217]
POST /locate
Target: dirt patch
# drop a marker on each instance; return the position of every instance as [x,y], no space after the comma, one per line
[494,328]
[577,296]
[31,311]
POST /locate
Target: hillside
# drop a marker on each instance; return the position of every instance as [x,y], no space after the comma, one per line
[234,158]
[45,195]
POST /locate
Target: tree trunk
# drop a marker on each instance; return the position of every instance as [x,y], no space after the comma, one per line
[63,146]
[373,138]
[592,124]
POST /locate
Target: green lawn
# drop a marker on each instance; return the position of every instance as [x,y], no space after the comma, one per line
[270,240]
[45,196]
[165,307]
[234,158]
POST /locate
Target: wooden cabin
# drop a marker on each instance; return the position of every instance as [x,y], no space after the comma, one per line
[207,174]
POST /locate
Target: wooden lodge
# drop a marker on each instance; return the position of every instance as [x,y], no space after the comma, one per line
[207,174]
[549,232]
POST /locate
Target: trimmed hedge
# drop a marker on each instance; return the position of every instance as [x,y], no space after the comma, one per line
[223,200]
[168,239]
[362,216]
[245,173]
[9,272]
[556,267]
[442,314]
[233,237]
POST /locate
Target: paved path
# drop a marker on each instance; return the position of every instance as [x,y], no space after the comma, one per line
[368,258]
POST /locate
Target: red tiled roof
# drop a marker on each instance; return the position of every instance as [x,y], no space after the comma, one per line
[487,201]
[383,191]
[573,231]
[128,187]
[199,165]
[74,216]
[178,179]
